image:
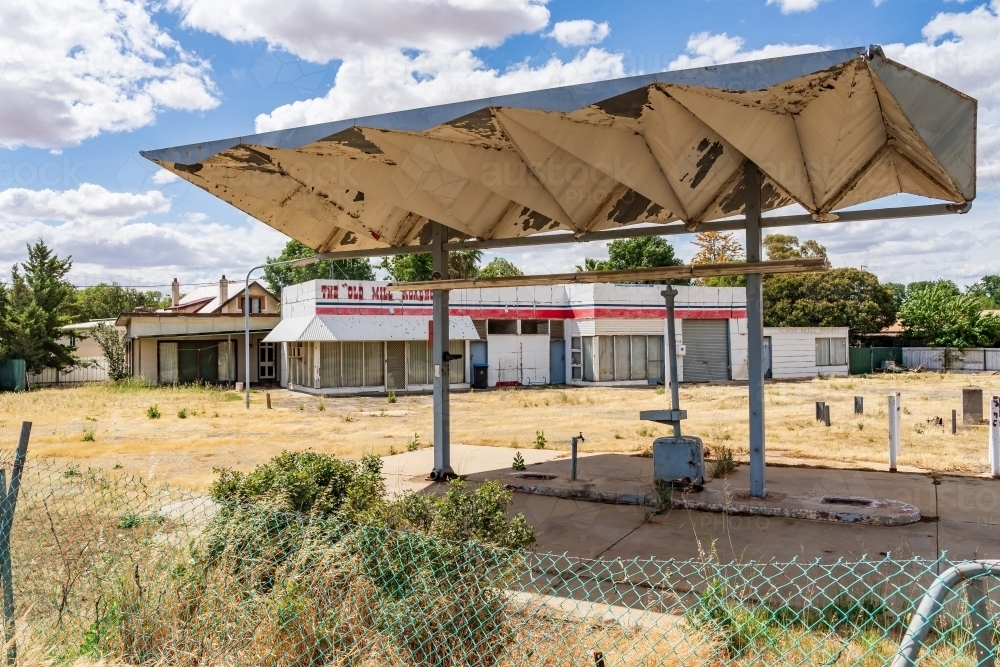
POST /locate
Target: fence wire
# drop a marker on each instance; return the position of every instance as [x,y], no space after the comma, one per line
[114,568]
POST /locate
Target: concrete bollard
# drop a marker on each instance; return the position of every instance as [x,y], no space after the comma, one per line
[859,405]
[820,410]
[972,406]
[895,422]
[995,436]
[826,415]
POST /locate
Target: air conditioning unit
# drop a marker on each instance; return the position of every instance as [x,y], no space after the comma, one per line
[296,351]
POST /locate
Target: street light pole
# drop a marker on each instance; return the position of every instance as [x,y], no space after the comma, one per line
[304,261]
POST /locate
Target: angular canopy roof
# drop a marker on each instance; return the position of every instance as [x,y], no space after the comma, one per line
[828,130]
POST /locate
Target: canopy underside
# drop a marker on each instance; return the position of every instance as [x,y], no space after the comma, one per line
[828,131]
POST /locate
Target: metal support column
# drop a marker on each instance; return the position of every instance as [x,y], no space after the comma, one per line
[442,411]
[755,330]
[670,294]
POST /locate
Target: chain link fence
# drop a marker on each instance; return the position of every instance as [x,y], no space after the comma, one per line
[106,567]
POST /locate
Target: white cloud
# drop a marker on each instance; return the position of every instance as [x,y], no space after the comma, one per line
[110,239]
[706,49]
[792,6]
[71,70]
[581,32]
[391,81]
[320,31]
[87,204]
[962,49]
[162,177]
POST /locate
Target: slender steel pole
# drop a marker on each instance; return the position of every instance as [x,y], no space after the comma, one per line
[442,409]
[755,330]
[246,333]
[670,293]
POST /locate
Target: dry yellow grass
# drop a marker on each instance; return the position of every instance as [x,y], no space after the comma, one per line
[219,431]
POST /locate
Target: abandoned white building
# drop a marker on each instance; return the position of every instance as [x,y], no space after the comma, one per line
[200,336]
[351,337]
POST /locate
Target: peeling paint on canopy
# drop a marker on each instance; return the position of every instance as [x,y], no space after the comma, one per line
[828,130]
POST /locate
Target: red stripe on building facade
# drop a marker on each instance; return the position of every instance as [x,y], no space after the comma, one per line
[528,313]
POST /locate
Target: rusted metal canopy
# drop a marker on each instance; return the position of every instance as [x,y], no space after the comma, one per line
[828,130]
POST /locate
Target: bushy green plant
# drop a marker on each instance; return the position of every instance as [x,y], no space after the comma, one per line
[307,483]
[413,444]
[518,462]
[392,396]
[153,412]
[540,440]
[724,463]
[182,413]
[88,434]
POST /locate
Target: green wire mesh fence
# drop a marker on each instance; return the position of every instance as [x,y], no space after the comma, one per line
[113,568]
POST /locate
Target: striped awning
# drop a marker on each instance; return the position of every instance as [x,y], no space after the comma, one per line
[364,328]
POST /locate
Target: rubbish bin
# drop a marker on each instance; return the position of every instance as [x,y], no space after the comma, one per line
[480,372]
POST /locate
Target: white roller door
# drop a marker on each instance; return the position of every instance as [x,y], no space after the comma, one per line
[707,343]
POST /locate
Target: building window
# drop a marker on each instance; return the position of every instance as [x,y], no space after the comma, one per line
[831,351]
[255,304]
[588,359]
[502,327]
[534,327]
[190,361]
[618,358]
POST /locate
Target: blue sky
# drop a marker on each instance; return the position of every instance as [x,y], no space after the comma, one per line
[86,84]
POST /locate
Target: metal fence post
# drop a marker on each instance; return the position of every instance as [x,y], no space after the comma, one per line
[995,436]
[8,503]
[895,410]
[982,627]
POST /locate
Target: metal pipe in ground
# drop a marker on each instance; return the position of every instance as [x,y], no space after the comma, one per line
[994,453]
[573,451]
[895,412]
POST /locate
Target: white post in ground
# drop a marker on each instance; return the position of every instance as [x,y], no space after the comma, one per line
[995,436]
[895,419]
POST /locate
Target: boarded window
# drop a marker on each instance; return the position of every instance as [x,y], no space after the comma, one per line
[502,327]
[588,359]
[353,360]
[638,357]
[534,327]
[456,374]
[227,367]
[168,363]
[831,351]
[605,358]
[418,364]
[329,359]
[297,364]
[654,358]
[623,362]
[374,364]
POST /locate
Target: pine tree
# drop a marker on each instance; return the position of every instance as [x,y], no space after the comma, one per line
[38,302]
